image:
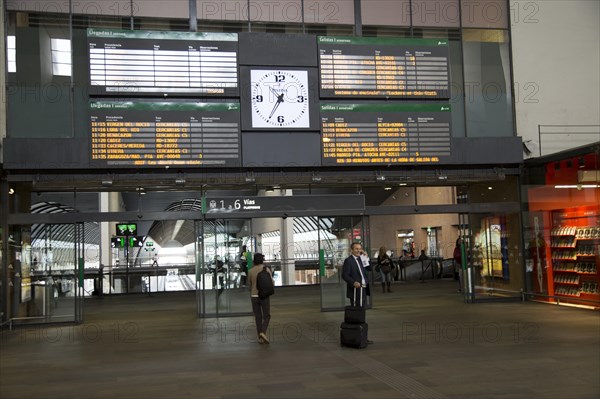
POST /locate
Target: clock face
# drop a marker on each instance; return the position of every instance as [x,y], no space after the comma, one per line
[279,99]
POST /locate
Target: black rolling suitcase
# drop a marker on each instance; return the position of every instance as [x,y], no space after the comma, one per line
[354,335]
[355,314]
[354,330]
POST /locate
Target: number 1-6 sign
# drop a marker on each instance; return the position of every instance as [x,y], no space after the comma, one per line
[230,204]
[297,203]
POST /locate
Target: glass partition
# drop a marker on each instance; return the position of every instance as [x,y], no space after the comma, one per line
[495,256]
[224,250]
[494,241]
[45,267]
[335,243]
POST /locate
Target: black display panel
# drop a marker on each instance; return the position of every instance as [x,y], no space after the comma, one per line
[369,134]
[162,63]
[383,67]
[253,204]
[128,133]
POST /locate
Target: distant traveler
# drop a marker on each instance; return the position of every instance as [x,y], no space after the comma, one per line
[261,307]
[457,256]
[243,266]
[384,267]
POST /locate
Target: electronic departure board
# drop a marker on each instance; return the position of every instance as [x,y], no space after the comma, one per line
[383,67]
[363,134]
[146,63]
[128,133]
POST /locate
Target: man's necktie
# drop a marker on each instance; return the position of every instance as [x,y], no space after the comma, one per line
[360,269]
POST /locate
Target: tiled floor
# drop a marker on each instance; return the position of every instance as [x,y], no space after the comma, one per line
[428,344]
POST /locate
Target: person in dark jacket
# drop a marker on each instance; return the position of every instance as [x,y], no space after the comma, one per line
[261,307]
[355,275]
[384,266]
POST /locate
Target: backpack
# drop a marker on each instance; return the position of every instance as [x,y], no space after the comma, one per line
[457,255]
[264,283]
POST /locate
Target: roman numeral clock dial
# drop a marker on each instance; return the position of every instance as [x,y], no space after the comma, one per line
[279,99]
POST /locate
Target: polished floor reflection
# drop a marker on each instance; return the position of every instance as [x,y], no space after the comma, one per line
[428,344]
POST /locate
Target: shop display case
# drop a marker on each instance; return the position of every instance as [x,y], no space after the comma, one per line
[574,248]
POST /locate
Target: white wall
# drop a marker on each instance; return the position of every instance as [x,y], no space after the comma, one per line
[556,59]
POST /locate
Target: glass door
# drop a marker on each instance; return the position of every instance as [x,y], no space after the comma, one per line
[46,273]
[495,254]
[334,248]
[223,247]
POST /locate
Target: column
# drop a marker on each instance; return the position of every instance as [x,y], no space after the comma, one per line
[288,262]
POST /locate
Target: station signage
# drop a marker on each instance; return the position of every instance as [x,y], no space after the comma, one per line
[295,203]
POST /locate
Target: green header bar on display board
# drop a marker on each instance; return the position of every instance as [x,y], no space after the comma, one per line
[381,41]
[165,106]
[329,107]
[161,35]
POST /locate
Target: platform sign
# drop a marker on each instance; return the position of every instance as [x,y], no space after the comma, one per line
[304,203]
[117,242]
[126,229]
[136,241]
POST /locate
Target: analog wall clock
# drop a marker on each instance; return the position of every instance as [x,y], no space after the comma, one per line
[279,98]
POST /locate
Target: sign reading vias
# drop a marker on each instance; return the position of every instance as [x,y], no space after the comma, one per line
[302,203]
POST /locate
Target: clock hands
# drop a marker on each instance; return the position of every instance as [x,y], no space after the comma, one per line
[279,101]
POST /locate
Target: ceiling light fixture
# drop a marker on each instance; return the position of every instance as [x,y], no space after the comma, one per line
[578,186]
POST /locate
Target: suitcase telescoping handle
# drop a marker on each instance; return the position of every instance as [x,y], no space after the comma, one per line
[361,295]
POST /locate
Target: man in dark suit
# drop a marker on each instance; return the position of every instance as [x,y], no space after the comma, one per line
[355,275]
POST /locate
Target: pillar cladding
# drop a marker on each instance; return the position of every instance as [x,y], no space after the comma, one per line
[3,85]
[109,202]
[105,232]
[288,262]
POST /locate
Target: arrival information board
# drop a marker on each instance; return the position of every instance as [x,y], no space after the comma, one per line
[164,133]
[358,134]
[383,67]
[145,62]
